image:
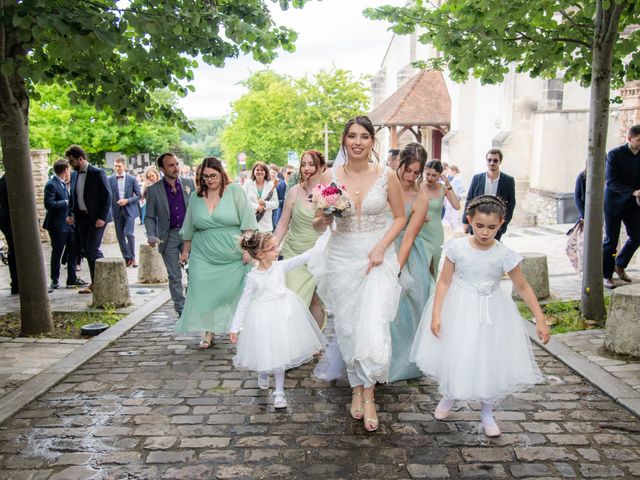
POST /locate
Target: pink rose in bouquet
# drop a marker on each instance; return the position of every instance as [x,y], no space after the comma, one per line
[330,198]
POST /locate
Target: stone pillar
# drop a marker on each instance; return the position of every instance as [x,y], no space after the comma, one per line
[630,110]
[40,166]
[622,333]
[110,283]
[535,269]
[151,268]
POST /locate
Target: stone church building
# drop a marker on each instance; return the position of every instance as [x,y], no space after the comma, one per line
[540,125]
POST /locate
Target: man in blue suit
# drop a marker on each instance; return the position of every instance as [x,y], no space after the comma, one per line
[621,194]
[125,195]
[56,201]
[492,182]
[89,206]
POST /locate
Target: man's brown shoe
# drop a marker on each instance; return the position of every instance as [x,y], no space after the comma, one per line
[622,275]
[89,289]
[608,283]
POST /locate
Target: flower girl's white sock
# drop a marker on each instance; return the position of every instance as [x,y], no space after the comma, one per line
[279,377]
[486,414]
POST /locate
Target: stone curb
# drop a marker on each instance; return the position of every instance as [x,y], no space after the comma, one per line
[617,390]
[42,382]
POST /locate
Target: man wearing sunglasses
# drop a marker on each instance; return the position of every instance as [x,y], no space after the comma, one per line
[492,182]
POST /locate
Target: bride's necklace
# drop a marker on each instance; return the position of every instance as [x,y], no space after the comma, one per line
[357,190]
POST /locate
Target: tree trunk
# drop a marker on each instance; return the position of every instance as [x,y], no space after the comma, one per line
[605,36]
[35,312]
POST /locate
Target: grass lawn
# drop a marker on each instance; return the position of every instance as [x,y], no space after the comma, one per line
[65,324]
[564,316]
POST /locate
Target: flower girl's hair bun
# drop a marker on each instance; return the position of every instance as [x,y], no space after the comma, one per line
[487,204]
[254,242]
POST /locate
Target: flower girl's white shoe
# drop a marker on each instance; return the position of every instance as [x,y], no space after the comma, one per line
[279,400]
[263,381]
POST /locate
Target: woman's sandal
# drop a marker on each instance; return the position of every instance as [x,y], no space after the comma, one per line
[356,413]
[371,424]
[206,342]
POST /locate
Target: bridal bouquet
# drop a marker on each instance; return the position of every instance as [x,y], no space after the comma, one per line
[330,198]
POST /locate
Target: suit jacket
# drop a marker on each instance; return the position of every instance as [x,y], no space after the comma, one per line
[97,195]
[56,201]
[131,193]
[622,179]
[156,220]
[506,191]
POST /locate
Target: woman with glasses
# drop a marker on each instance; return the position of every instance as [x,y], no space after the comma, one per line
[437,188]
[218,214]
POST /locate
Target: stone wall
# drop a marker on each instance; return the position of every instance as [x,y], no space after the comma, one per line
[40,166]
[630,110]
[549,208]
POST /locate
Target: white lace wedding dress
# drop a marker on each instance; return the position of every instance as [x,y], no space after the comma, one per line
[363,304]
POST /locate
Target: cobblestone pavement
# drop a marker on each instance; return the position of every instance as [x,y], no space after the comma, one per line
[152,406]
[590,344]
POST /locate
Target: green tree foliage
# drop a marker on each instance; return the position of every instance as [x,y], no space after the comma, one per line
[279,114]
[204,140]
[56,123]
[595,43]
[112,54]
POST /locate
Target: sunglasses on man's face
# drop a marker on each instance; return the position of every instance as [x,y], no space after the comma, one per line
[493,160]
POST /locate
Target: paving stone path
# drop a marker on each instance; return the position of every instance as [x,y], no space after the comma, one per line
[152,406]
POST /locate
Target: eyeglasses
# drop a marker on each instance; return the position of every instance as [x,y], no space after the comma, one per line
[493,160]
[209,176]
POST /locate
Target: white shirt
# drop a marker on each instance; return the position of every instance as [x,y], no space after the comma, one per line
[81,178]
[120,187]
[491,186]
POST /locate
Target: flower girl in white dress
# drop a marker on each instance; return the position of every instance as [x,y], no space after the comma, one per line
[471,338]
[272,326]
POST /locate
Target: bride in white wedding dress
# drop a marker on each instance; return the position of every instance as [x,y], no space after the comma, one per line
[358,280]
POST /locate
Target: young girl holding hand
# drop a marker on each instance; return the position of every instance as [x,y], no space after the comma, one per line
[471,338]
[278,332]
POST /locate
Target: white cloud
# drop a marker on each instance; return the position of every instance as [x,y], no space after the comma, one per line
[330,33]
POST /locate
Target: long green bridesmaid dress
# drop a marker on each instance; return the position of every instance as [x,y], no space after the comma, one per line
[412,301]
[300,237]
[432,232]
[216,271]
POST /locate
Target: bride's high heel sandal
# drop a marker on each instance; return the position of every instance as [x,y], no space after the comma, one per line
[371,424]
[358,412]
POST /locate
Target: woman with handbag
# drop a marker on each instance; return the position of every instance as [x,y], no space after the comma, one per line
[262,194]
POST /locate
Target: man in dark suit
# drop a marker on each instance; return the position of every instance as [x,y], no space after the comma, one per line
[89,206]
[492,182]
[56,201]
[621,194]
[167,202]
[125,195]
[5,228]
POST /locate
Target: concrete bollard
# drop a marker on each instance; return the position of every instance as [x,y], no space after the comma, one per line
[110,283]
[151,268]
[535,269]
[109,234]
[622,333]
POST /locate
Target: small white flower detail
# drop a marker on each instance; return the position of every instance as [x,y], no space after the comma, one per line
[485,289]
[187,189]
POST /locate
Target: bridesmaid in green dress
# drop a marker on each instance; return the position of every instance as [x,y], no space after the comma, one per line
[416,281]
[436,187]
[295,230]
[216,218]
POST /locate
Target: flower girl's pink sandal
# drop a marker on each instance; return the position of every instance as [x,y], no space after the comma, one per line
[356,412]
